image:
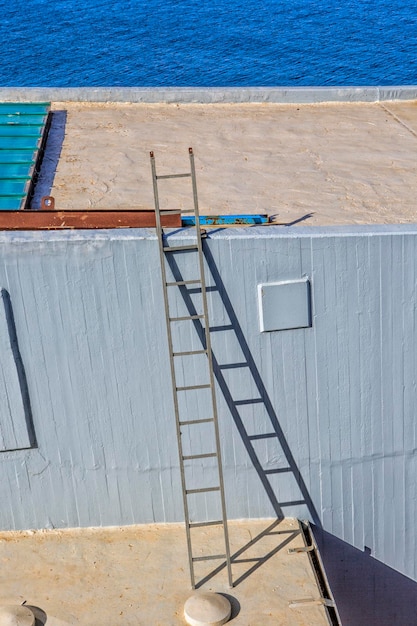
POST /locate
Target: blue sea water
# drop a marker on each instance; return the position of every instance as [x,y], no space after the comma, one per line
[71,43]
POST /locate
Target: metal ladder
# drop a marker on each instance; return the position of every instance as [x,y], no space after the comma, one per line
[196,284]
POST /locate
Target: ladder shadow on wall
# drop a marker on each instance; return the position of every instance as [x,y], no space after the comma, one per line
[237,406]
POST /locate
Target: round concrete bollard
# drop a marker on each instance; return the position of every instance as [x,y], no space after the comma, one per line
[15,615]
[207,609]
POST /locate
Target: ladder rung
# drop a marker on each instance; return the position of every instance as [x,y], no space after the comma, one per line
[186,317]
[189,353]
[264,436]
[209,558]
[191,457]
[250,401]
[188,211]
[180,248]
[193,387]
[220,329]
[301,549]
[198,524]
[233,366]
[180,283]
[187,175]
[203,490]
[311,602]
[279,470]
[170,212]
[203,421]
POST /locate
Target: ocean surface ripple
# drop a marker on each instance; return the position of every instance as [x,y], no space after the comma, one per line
[71,43]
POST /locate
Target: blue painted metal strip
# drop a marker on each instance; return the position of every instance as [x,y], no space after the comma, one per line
[213,220]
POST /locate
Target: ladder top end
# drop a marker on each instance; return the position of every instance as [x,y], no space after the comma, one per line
[190,150]
[151,154]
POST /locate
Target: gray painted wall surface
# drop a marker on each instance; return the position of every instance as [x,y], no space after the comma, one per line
[316,422]
[208,95]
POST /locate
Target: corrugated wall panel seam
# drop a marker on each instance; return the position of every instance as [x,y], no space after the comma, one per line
[385,479]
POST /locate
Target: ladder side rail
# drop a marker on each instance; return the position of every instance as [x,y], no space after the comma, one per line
[160,235]
[210,364]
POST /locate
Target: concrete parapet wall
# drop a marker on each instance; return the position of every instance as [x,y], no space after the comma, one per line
[207,95]
[316,422]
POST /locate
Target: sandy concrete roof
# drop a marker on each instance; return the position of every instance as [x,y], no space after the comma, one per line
[335,163]
[138,575]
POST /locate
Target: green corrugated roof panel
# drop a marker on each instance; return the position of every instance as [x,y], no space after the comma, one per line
[19,143]
[21,130]
[12,203]
[27,120]
[22,133]
[16,187]
[24,108]
[16,156]
[16,170]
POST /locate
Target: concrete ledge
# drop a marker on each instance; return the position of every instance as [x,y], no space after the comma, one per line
[98,236]
[207,95]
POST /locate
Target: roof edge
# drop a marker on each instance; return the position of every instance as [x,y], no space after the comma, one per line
[209,95]
[97,236]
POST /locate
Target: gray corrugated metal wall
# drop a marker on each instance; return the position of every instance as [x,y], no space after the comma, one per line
[331,407]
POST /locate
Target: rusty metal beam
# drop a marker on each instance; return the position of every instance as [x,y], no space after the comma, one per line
[64,219]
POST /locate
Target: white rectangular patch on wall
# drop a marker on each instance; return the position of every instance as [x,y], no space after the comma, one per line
[284,305]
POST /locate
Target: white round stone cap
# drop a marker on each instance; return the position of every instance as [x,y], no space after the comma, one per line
[15,615]
[207,609]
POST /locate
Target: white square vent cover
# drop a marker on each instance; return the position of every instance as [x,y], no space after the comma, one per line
[284,305]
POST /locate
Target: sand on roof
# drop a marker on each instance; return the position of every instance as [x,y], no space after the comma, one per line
[138,575]
[315,164]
